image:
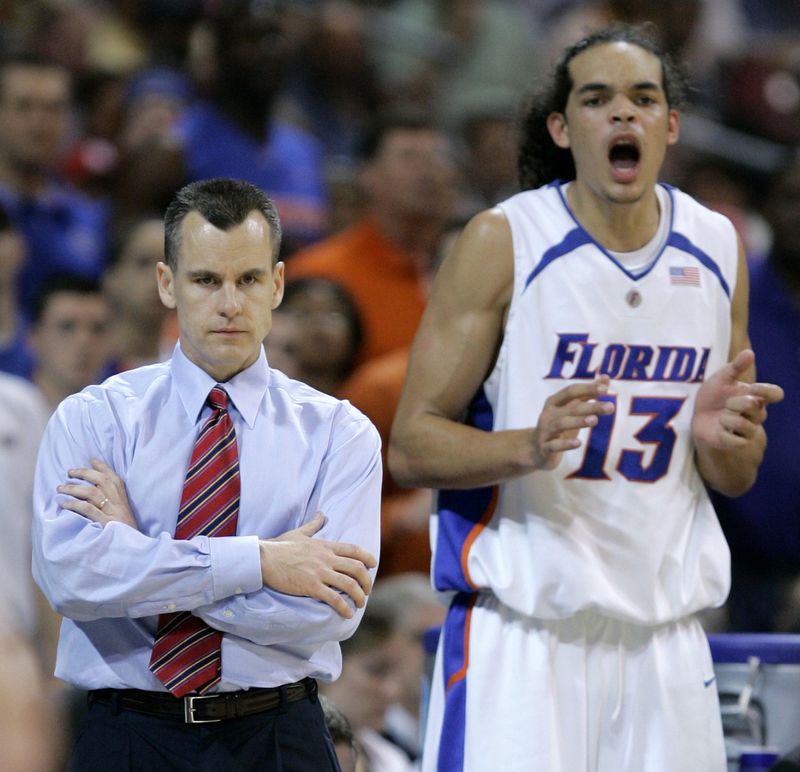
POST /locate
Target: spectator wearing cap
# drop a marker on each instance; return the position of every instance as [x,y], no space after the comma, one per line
[154,100]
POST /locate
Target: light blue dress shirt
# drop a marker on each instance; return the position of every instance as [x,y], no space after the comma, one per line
[300,452]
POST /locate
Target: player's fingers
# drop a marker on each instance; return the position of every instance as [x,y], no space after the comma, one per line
[750,407]
[579,391]
[731,441]
[561,444]
[737,424]
[770,393]
[742,362]
[589,407]
[730,431]
[744,404]
[571,422]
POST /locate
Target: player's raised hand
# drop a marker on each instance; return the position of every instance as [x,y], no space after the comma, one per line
[298,564]
[564,414]
[728,411]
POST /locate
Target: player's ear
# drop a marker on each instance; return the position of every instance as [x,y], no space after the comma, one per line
[558,129]
[673,127]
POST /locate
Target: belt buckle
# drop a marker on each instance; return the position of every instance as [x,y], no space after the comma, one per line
[189,709]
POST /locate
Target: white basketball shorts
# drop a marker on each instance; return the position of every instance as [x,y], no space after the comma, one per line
[584,694]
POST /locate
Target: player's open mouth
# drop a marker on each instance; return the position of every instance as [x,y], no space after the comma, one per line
[623,155]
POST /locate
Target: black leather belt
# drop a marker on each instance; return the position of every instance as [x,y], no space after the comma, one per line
[205,708]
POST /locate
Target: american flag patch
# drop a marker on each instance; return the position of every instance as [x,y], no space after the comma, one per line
[685,275]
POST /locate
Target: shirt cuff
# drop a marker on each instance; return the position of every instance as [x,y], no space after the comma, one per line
[235,565]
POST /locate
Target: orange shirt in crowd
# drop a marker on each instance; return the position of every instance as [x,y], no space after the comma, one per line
[383,281]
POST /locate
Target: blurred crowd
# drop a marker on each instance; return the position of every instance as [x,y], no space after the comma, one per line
[379,127]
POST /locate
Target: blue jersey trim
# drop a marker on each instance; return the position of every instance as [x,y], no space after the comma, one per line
[579,236]
[454,646]
[574,239]
[461,512]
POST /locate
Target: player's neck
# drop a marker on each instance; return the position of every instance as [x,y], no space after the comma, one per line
[618,226]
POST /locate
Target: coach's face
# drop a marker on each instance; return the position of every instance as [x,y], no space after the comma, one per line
[224,289]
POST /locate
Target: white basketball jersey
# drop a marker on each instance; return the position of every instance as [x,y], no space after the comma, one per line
[623,525]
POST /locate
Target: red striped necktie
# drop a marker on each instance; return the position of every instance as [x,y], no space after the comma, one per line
[187,653]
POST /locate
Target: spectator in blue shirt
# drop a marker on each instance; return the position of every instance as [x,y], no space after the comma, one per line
[65,231]
[233,133]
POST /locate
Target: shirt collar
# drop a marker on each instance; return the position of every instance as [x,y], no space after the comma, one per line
[246,389]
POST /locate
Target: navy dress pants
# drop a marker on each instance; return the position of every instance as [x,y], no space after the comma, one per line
[290,738]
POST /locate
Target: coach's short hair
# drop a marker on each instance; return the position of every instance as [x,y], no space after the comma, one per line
[224,203]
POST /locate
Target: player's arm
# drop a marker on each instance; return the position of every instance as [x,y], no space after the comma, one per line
[731,408]
[453,352]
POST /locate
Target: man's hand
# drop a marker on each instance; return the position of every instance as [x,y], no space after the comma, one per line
[728,412]
[297,564]
[563,415]
[103,500]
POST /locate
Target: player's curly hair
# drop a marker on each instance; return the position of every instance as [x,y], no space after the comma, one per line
[540,160]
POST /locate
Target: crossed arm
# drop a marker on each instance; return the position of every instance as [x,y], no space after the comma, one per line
[294,563]
[306,585]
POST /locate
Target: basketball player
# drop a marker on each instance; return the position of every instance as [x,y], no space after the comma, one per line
[581,371]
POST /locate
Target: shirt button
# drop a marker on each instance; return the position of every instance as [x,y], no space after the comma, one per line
[227,613]
[238,590]
[171,607]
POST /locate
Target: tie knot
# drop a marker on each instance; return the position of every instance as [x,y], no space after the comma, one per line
[218,398]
